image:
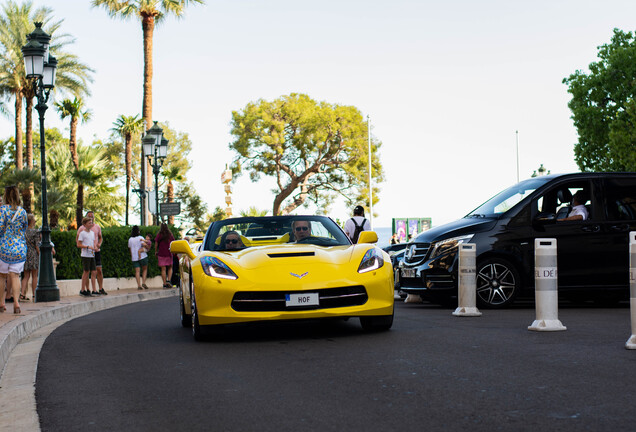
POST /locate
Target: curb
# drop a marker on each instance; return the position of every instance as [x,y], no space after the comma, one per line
[25,326]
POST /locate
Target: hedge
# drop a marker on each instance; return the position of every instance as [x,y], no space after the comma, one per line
[116,261]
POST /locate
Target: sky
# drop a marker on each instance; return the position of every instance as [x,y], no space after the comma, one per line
[459,92]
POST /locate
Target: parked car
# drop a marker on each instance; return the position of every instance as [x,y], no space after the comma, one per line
[593,254]
[267,271]
[396,252]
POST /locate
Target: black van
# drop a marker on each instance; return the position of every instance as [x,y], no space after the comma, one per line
[593,254]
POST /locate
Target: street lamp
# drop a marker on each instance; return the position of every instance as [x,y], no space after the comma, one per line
[156,150]
[40,69]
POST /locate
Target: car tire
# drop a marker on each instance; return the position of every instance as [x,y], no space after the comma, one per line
[498,283]
[376,323]
[197,330]
[186,320]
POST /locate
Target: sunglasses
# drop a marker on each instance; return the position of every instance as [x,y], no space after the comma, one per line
[302,228]
[231,241]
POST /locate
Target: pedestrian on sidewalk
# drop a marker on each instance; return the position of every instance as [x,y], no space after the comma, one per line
[13,248]
[164,257]
[87,243]
[139,260]
[32,262]
[99,275]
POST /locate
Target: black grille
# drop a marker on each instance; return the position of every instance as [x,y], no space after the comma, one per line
[290,254]
[416,252]
[440,281]
[272,301]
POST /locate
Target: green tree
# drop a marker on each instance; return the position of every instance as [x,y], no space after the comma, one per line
[75,110]
[23,178]
[128,127]
[603,107]
[150,12]
[316,151]
[171,174]
[253,211]
[16,21]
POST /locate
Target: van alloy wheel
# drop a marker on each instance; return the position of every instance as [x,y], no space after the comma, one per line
[498,283]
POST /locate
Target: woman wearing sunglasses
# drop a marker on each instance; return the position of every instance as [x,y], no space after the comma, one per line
[231,240]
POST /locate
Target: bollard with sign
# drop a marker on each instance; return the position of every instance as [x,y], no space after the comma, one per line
[631,342]
[545,286]
[467,284]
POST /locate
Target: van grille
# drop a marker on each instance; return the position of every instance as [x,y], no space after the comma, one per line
[416,253]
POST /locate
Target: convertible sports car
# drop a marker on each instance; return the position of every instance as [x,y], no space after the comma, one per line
[280,268]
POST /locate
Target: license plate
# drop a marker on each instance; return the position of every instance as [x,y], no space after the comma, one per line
[408,272]
[302,299]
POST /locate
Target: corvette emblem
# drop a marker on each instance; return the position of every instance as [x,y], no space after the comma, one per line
[299,276]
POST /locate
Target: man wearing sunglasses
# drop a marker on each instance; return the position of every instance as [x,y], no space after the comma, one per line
[302,229]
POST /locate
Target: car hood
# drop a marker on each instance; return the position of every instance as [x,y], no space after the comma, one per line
[292,256]
[456,228]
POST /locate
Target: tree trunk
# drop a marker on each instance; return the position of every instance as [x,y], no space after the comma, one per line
[72,142]
[128,161]
[80,204]
[148,26]
[18,131]
[170,194]
[29,131]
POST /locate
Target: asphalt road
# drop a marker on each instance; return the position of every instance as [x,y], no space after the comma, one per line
[134,368]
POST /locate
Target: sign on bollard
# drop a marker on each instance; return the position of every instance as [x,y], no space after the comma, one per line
[631,342]
[546,286]
[467,284]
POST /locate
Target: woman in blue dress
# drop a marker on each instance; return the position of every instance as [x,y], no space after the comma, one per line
[13,248]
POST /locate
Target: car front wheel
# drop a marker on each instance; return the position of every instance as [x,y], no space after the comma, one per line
[376,323]
[498,283]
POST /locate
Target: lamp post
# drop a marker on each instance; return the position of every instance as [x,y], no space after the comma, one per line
[40,69]
[156,150]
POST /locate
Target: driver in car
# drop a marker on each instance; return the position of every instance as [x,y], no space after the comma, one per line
[231,240]
[302,229]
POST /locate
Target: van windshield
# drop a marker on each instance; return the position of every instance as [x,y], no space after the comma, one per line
[508,198]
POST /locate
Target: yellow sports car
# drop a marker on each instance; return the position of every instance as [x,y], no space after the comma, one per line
[282,268]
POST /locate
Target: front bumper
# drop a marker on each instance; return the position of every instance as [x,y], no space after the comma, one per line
[435,275]
[223,301]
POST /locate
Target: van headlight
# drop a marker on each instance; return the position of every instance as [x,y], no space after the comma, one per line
[372,260]
[448,245]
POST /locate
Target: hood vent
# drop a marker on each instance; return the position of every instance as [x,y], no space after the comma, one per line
[291,254]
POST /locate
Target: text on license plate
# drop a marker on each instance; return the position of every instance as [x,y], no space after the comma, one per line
[408,272]
[302,299]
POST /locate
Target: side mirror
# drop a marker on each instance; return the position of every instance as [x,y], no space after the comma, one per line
[182,247]
[368,237]
[545,218]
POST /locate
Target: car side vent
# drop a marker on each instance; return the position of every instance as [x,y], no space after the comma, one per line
[291,254]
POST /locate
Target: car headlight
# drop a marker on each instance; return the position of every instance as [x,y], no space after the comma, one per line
[216,268]
[371,260]
[445,246]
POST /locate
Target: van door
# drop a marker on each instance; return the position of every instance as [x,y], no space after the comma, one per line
[580,243]
[620,212]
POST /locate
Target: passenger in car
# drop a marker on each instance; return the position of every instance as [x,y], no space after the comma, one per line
[579,211]
[301,229]
[231,240]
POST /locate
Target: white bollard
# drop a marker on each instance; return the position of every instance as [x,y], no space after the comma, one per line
[467,284]
[631,342]
[545,286]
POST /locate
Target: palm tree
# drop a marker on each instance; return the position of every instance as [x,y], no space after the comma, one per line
[73,109]
[172,173]
[83,177]
[150,12]
[24,178]
[127,127]
[15,23]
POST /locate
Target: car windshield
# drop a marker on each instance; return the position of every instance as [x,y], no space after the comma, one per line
[240,233]
[508,198]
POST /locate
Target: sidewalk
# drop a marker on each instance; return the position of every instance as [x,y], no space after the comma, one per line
[33,316]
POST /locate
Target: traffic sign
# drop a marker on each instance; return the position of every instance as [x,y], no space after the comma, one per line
[170,208]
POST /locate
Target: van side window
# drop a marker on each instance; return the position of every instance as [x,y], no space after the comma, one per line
[558,200]
[620,196]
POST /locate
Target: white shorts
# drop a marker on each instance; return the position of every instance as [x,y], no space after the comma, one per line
[13,268]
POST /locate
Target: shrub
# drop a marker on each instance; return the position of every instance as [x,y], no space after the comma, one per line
[116,260]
